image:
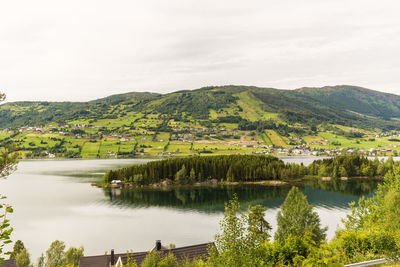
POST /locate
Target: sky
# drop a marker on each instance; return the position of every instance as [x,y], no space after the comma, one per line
[79,50]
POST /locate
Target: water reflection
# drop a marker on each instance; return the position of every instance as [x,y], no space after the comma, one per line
[207,199]
[53,199]
[211,199]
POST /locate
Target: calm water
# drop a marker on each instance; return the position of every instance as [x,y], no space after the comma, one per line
[53,200]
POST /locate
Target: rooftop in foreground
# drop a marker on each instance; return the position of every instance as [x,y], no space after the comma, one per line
[181,254]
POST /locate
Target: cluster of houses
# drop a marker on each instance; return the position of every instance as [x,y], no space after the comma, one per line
[307,151]
[190,134]
[186,134]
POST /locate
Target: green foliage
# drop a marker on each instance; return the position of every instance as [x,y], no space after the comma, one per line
[20,114]
[8,160]
[73,256]
[292,253]
[241,237]
[222,168]
[243,241]
[181,175]
[301,251]
[56,256]
[192,176]
[296,218]
[130,261]
[372,230]
[156,259]
[5,228]
[350,166]
[257,225]
[23,259]
[8,163]
[195,103]
[344,105]
[244,168]
[152,260]
[368,244]
[18,247]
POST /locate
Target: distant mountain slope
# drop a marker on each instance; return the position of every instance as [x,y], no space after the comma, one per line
[356,99]
[17,114]
[346,105]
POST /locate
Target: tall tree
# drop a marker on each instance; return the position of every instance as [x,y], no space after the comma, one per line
[192,175]
[257,224]
[55,255]
[180,176]
[297,217]
[241,237]
[18,247]
[73,256]
[23,259]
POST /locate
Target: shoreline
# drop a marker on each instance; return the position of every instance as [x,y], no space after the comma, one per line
[183,156]
[214,182]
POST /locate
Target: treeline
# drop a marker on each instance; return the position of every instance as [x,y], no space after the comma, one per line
[56,255]
[244,168]
[350,166]
[199,169]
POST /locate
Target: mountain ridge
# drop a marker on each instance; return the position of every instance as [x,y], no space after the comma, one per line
[340,104]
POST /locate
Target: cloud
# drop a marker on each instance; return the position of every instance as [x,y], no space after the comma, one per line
[81,50]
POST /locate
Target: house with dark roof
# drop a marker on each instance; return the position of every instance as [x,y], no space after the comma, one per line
[116,260]
[9,263]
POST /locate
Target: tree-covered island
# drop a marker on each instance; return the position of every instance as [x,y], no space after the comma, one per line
[245,168]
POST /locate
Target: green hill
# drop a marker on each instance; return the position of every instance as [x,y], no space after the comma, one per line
[212,120]
[343,105]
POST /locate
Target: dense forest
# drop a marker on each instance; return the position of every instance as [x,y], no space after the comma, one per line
[245,168]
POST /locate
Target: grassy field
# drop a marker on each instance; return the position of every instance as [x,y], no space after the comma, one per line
[142,140]
[4,135]
[90,150]
[163,136]
[315,141]
[179,147]
[250,106]
[364,143]
[213,114]
[266,139]
[149,147]
[275,138]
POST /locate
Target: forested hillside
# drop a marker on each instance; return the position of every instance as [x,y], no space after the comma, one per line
[345,105]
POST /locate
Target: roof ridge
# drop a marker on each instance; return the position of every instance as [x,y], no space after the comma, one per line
[198,245]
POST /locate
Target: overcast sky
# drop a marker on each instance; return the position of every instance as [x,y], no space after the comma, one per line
[86,49]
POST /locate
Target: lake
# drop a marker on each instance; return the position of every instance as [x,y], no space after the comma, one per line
[53,199]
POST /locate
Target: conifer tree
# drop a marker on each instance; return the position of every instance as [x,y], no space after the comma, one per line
[192,175]
[230,175]
[297,217]
[180,176]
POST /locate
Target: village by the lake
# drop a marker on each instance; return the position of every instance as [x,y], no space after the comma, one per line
[167,133]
